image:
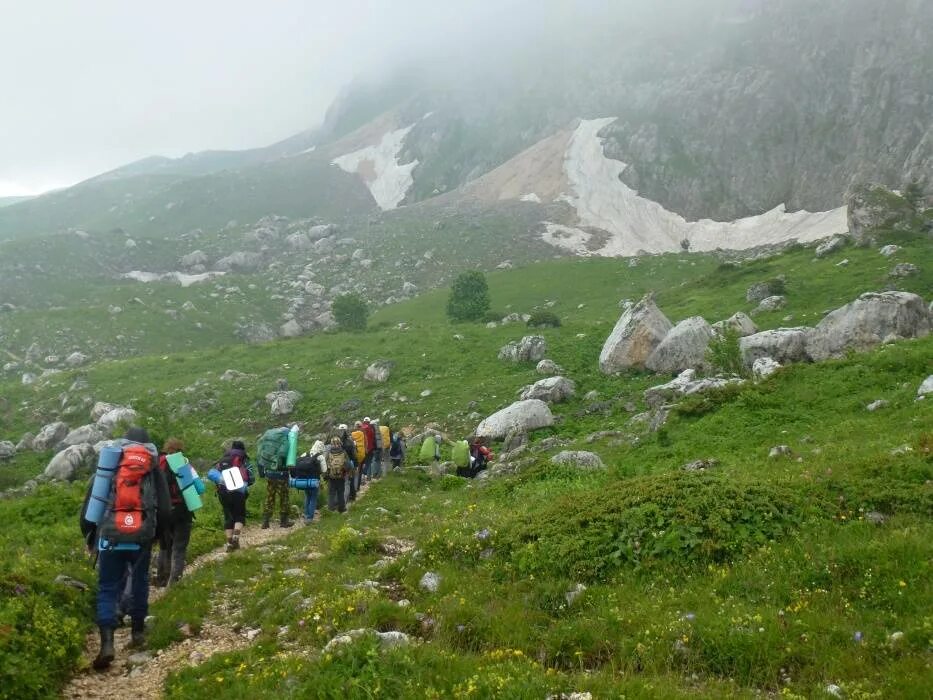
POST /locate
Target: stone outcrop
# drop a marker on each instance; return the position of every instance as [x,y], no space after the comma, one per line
[522,415]
[639,330]
[683,347]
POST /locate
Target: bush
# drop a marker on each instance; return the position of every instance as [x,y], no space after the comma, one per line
[469,297]
[724,354]
[544,319]
[492,317]
[351,312]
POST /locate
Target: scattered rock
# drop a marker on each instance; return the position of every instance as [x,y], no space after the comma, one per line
[830,245]
[685,384]
[100,408]
[26,442]
[873,516]
[525,415]
[116,416]
[548,367]
[7,449]
[515,439]
[578,458]
[64,580]
[591,395]
[293,573]
[903,270]
[783,345]
[738,322]
[780,451]
[926,387]
[700,465]
[291,329]
[86,434]
[552,390]
[889,250]
[232,375]
[50,436]
[639,330]
[764,367]
[574,593]
[282,403]
[76,359]
[531,348]
[379,371]
[683,347]
[763,290]
[430,582]
[875,405]
[70,462]
[774,303]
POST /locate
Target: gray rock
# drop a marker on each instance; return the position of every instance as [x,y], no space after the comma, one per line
[240,261]
[780,451]
[831,245]
[783,345]
[70,463]
[552,390]
[738,322]
[683,347]
[298,241]
[255,332]
[197,257]
[578,458]
[86,434]
[639,330]
[50,436]
[574,593]
[514,440]
[393,639]
[764,367]
[685,384]
[547,367]
[889,250]
[531,348]
[700,465]
[294,573]
[25,442]
[116,416]
[873,318]
[773,303]
[7,449]
[874,517]
[290,329]
[875,405]
[524,415]
[232,375]
[379,371]
[282,403]
[759,291]
[903,270]
[64,580]
[591,395]
[76,359]
[100,408]
[28,378]
[430,582]
[926,387]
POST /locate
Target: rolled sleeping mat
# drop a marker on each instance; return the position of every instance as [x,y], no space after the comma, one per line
[303,484]
[176,461]
[188,479]
[292,457]
[107,464]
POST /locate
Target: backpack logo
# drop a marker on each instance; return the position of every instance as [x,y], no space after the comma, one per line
[129,520]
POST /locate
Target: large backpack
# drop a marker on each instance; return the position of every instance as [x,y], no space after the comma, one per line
[233,460]
[461,453]
[359,439]
[336,460]
[427,449]
[131,513]
[386,435]
[273,448]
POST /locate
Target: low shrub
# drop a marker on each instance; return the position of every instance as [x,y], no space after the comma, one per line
[544,319]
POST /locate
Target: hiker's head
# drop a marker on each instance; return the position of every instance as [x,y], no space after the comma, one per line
[238,445]
[173,445]
[342,427]
[357,424]
[137,434]
[366,420]
[335,442]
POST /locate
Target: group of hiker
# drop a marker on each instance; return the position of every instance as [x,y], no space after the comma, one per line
[140,496]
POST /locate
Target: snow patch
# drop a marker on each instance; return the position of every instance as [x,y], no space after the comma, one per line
[308,150]
[530,197]
[427,116]
[636,223]
[185,280]
[387,179]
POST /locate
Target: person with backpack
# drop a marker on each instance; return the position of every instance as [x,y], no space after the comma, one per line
[369,432]
[480,456]
[376,467]
[233,475]
[349,447]
[174,549]
[137,512]
[308,469]
[272,457]
[359,443]
[397,450]
[335,471]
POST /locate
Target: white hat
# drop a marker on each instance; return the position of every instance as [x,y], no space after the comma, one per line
[342,426]
[366,420]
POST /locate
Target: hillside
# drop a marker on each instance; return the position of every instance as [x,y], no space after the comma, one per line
[795,574]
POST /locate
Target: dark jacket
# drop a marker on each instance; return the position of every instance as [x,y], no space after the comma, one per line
[180,512]
[370,433]
[349,447]
[163,501]
[397,447]
[308,466]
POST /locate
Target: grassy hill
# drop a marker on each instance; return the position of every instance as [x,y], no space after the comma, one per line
[759,576]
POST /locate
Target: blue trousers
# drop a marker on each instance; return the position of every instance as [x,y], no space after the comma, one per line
[310,503]
[110,578]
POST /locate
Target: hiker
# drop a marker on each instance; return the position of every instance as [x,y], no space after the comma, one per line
[370,433]
[397,450]
[349,447]
[174,549]
[233,475]
[307,477]
[272,455]
[385,434]
[430,449]
[335,471]
[359,442]
[137,511]
[480,456]
[379,450]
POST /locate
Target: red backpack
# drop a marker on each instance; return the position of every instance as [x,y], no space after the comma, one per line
[234,459]
[131,513]
[173,491]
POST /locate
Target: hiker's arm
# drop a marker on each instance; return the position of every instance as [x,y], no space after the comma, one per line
[250,474]
[87,527]
[163,503]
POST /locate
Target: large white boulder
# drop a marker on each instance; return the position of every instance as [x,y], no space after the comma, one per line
[783,345]
[872,319]
[639,330]
[379,371]
[685,384]
[531,348]
[86,434]
[525,415]
[764,367]
[50,436]
[552,390]
[739,322]
[70,462]
[100,408]
[683,347]
[115,416]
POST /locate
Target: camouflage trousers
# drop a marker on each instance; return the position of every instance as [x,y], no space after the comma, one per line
[276,488]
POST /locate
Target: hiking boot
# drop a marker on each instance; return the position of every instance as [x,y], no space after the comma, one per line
[234,542]
[265,522]
[285,522]
[106,653]
[137,635]
[230,546]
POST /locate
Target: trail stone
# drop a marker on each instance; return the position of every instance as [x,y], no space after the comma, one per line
[739,322]
[783,345]
[379,371]
[683,347]
[873,318]
[552,390]
[50,435]
[524,415]
[530,348]
[639,330]
[578,458]
[67,464]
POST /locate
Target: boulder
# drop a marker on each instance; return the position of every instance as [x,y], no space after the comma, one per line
[255,332]
[783,345]
[515,439]
[889,250]
[547,367]
[430,582]
[759,291]
[241,260]
[524,415]
[683,347]
[114,417]
[830,246]
[738,322]
[28,378]
[685,384]
[50,436]
[873,207]
[639,330]
[552,390]
[7,449]
[764,367]
[875,405]
[70,462]
[197,257]
[298,241]
[25,442]
[290,329]
[926,387]
[282,402]
[531,348]
[379,371]
[76,359]
[773,303]
[873,318]
[903,270]
[700,465]
[578,458]
[100,408]
[86,434]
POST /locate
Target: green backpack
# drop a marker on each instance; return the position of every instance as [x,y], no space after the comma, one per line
[461,453]
[426,454]
[273,449]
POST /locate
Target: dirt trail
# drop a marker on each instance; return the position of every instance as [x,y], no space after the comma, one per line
[145,677]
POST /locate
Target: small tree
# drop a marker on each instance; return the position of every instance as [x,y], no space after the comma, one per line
[724,353]
[469,297]
[351,312]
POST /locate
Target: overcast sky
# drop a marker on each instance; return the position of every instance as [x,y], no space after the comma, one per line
[89,85]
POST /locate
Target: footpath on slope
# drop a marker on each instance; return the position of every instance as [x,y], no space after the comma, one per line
[140,673]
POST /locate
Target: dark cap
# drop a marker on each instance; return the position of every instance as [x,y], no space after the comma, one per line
[238,445]
[137,434]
